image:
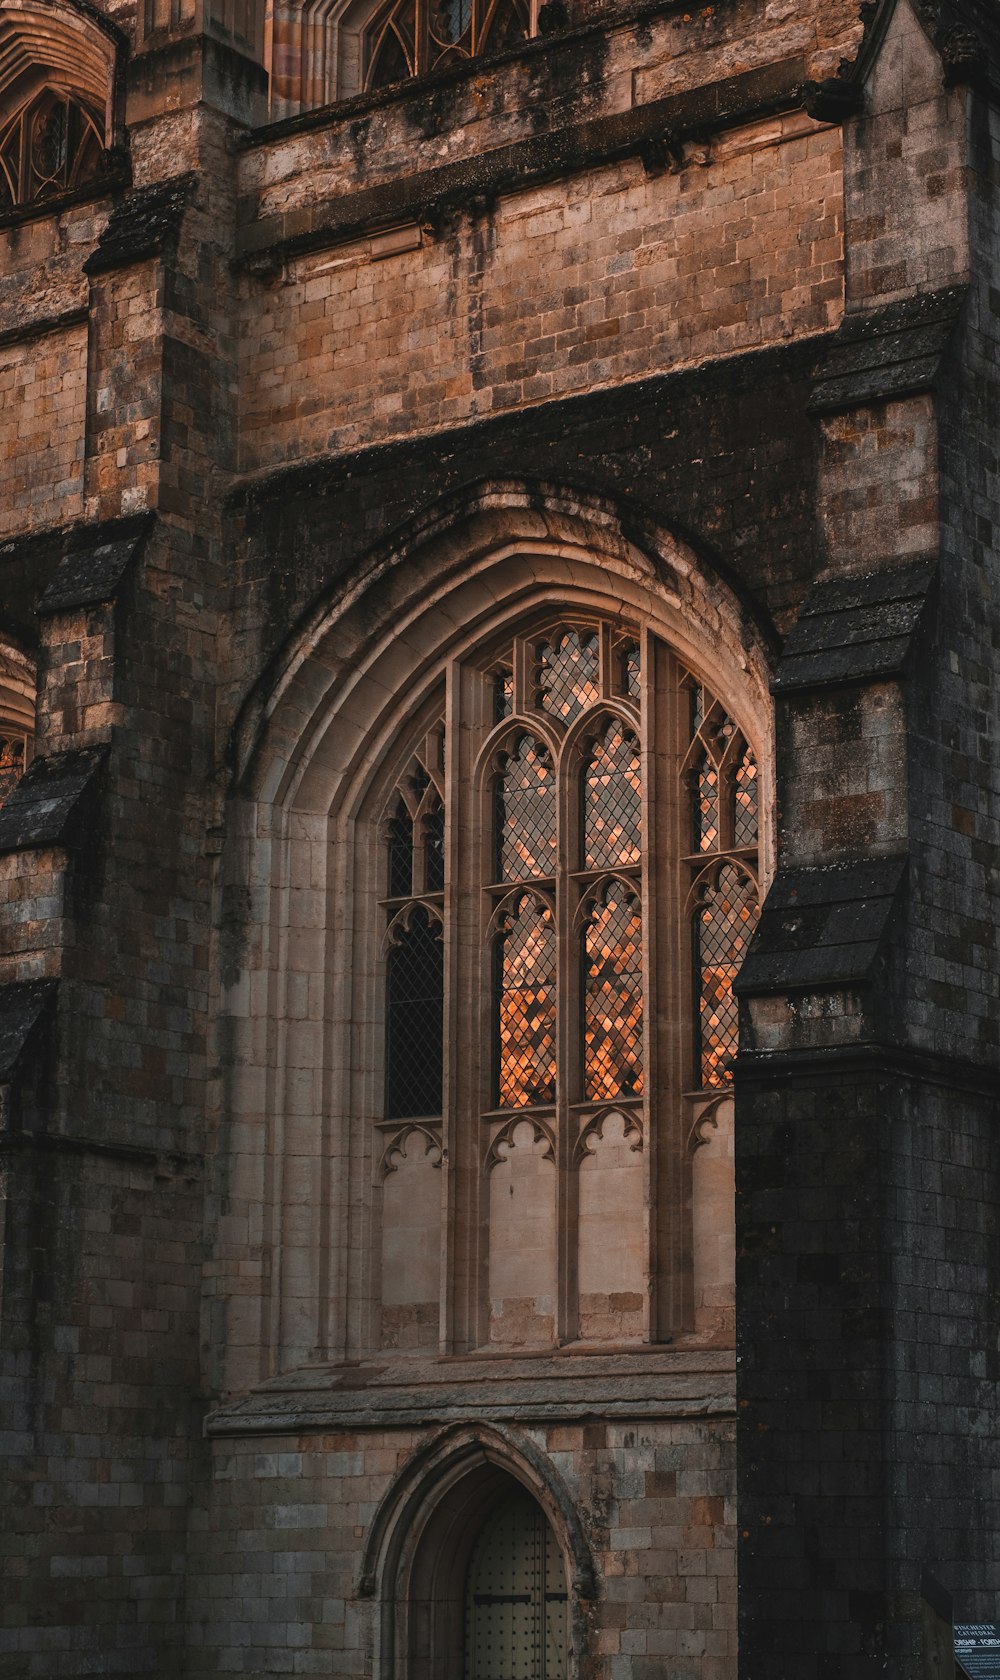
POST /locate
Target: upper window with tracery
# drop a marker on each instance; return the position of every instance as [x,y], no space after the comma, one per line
[559,957]
[722,793]
[52,145]
[563,889]
[410,37]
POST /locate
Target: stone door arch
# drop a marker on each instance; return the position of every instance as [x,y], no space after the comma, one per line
[430,1551]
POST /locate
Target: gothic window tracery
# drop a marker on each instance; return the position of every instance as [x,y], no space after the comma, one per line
[584,875]
[50,146]
[722,790]
[411,37]
[414,840]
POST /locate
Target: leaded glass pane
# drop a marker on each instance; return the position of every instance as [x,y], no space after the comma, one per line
[723,928]
[525,813]
[697,707]
[450,21]
[568,674]
[400,853]
[611,799]
[632,671]
[525,1009]
[705,805]
[434,848]
[612,996]
[415,1017]
[503,695]
[745,826]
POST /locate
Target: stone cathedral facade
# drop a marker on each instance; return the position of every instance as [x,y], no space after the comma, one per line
[499,738]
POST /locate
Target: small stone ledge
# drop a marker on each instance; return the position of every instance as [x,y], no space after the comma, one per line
[51,803]
[24,1008]
[857,628]
[97,564]
[654,1384]
[145,224]
[896,351]
[823,927]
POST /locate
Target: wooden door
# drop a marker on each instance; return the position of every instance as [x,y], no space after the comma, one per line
[515,1616]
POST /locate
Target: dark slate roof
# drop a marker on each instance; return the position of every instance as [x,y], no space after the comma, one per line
[822,927]
[48,807]
[857,628]
[91,573]
[895,351]
[146,223]
[23,1004]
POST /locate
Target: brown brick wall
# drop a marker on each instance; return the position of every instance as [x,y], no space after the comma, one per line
[43,389]
[562,289]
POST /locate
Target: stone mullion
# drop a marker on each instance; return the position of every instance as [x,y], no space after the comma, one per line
[568,1046]
[337,1095]
[364,987]
[465,1254]
[667,1014]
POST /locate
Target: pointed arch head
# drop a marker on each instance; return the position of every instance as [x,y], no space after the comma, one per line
[312,736]
[63,45]
[425,1528]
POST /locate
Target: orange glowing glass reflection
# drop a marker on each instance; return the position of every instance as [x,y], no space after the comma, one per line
[612,800]
[526,1006]
[612,1027]
[725,924]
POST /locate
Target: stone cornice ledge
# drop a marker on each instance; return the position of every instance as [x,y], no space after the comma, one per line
[654,132]
[661,1384]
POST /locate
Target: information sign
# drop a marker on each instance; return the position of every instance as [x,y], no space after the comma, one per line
[977,1647]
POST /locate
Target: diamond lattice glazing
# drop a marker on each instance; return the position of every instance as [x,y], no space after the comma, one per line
[706,805]
[724,925]
[434,848]
[568,674]
[612,800]
[400,853]
[525,814]
[415,1018]
[526,1007]
[612,1027]
[745,824]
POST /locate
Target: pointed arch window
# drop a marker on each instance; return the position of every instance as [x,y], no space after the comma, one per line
[566,910]
[52,145]
[411,37]
[722,792]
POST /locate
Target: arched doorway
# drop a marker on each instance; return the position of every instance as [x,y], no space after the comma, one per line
[515,1596]
[478,1513]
